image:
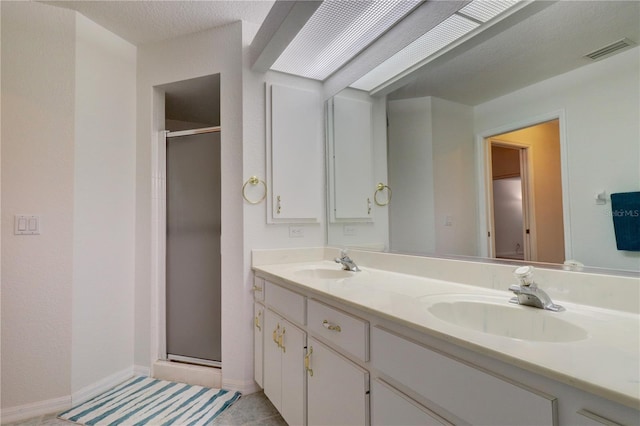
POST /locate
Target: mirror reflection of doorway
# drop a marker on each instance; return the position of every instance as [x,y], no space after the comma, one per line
[525,210]
[510,227]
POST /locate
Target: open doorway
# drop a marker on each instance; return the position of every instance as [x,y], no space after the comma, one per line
[525,209]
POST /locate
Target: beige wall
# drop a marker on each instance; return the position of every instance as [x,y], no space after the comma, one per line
[544,140]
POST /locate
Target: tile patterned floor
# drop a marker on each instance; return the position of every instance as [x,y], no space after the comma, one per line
[250,410]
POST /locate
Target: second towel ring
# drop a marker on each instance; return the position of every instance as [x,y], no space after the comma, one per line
[379,188]
[253,180]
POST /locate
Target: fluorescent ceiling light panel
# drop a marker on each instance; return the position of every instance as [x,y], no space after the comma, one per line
[439,37]
[336,32]
[485,10]
[436,40]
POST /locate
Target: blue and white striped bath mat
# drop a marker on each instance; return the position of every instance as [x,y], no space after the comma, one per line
[147,401]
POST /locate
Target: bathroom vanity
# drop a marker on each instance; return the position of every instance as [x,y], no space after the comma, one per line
[423,341]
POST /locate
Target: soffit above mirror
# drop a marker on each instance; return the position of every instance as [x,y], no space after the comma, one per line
[438,48]
[338,42]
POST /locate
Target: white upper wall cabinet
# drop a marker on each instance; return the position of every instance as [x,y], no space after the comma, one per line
[350,159]
[295,163]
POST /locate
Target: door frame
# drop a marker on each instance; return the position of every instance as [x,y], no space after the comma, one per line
[158,343]
[483,168]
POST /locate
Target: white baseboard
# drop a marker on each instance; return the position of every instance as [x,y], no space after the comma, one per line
[141,370]
[95,389]
[244,387]
[35,409]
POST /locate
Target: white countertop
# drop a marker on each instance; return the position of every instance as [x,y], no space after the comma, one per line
[605,363]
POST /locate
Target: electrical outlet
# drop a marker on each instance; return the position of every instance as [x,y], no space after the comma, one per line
[296,232]
[350,230]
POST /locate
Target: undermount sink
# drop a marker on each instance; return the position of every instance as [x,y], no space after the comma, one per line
[495,316]
[324,273]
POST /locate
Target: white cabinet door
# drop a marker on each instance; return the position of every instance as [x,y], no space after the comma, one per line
[293,376]
[296,163]
[337,389]
[258,342]
[390,407]
[351,159]
[284,379]
[272,359]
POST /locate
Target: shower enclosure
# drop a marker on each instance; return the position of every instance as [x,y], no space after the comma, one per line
[193,329]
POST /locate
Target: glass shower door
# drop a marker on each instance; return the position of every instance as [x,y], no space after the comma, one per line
[193,296]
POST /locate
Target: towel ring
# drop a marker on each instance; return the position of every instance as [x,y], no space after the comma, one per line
[379,188]
[253,180]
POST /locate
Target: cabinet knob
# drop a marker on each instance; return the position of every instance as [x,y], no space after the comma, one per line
[307,361]
[281,340]
[256,289]
[275,335]
[278,205]
[257,321]
[329,326]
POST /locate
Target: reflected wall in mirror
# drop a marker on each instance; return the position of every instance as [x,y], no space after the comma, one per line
[356,162]
[441,124]
[524,193]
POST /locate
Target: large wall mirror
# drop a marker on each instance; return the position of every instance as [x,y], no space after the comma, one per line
[509,148]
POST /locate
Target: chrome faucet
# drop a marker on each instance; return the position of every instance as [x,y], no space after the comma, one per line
[528,293]
[347,263]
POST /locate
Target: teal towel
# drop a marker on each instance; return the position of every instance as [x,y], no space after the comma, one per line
[625,209]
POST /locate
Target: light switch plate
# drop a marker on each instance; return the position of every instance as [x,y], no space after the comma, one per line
[26,225]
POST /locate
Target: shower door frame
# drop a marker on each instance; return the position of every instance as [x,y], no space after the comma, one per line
[159,244]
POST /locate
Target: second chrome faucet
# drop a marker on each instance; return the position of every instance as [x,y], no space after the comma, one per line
[528,293]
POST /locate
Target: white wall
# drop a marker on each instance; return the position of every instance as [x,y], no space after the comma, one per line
[208,52]
[410,156]
[374,235]
[104,205]
[432,171]
[68,155]
[38,48]
[601,103]
[257,233]
[454,178]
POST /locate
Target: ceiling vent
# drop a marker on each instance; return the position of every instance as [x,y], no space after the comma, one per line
[610,49]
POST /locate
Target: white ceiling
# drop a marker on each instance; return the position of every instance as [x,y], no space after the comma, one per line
[551,42]
[148,21]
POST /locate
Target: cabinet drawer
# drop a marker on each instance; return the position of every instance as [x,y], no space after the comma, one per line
[285,302]
[469,393]
[346,331]
[587,418]
[390,407]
